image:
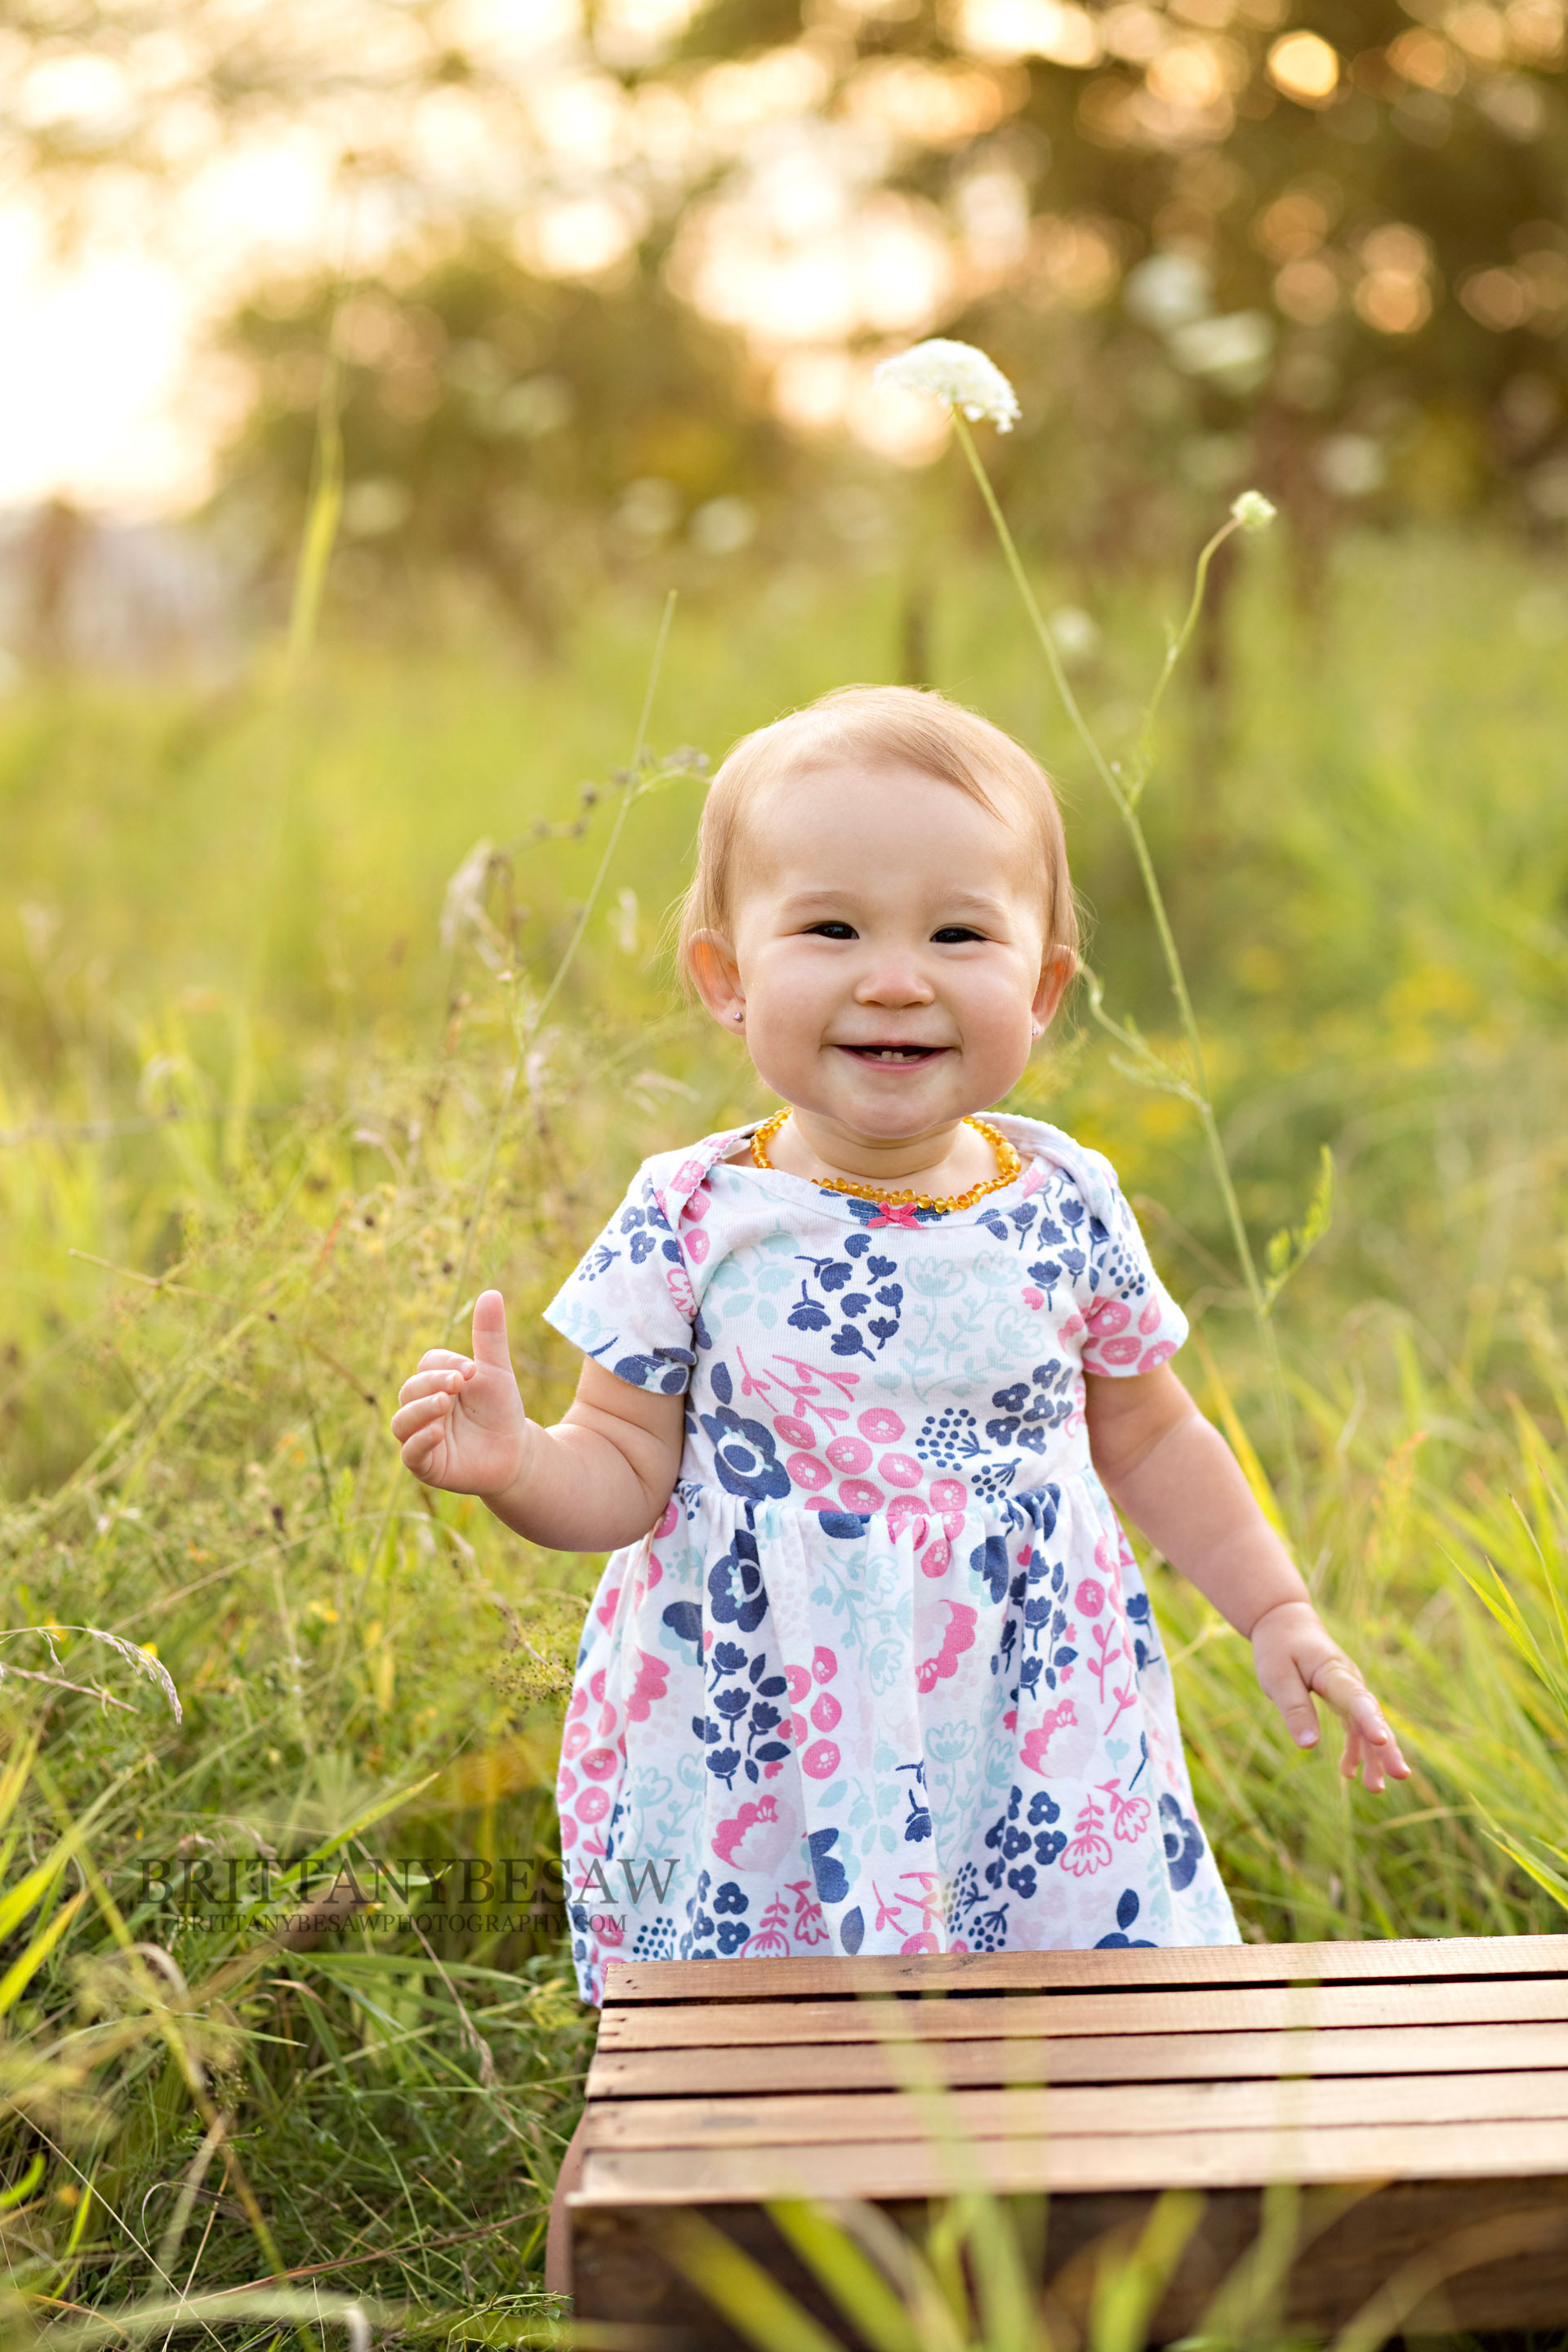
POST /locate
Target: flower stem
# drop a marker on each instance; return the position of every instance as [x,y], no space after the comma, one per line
[525,1042]
[1126,800]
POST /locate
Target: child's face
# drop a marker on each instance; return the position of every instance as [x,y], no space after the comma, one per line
[887,950]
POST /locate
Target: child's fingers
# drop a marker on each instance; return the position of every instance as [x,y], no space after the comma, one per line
[1294,1700]
[445,1360]
[489,1330]
[424,1413]
[442,1383]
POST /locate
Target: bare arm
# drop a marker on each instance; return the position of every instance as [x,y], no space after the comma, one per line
[1175,1477]
[599,1478]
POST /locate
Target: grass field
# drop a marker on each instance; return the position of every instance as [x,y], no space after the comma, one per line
[266,1126]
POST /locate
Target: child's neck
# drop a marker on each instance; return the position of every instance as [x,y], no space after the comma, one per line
[943,1160]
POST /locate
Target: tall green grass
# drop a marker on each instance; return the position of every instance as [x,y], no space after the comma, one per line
[247,1085]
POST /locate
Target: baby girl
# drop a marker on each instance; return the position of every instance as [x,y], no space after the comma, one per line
[871,1667]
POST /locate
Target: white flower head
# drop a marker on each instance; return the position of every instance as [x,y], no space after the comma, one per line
[957,373]
[1253,512]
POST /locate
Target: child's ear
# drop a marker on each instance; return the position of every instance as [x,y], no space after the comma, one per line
[717,978]
[1057,975]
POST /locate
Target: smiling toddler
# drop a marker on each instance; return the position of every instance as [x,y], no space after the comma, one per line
[871,1667]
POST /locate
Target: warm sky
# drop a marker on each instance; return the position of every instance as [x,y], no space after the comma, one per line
[109,396]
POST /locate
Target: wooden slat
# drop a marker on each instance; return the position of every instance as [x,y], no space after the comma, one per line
[1399,1960]
[1116,2111]
[1130,2058]
[1062,2165]
[1214,2009]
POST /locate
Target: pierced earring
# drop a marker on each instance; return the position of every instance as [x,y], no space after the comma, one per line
[740,1017]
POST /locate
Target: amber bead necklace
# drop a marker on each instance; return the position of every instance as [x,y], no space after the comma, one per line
[1008,1166]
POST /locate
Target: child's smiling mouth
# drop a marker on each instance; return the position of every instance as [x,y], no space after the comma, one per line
[894,1057]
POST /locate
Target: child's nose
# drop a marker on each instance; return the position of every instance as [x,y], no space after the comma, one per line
[894,980]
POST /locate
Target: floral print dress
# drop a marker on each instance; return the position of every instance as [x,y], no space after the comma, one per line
[884,1677]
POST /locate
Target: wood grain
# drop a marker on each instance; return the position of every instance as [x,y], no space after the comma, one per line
[1396,1960]
[1213,2010]
[1195,2159]
[1118,2110]
[1395,2049]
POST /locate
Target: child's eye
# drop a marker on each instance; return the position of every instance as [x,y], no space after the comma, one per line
[831,932]
[955,934]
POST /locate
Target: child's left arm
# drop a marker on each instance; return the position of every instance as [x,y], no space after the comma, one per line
[1173,1473]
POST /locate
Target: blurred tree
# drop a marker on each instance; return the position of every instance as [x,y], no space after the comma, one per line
[526,431]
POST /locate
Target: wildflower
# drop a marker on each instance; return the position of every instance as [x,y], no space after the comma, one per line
[1253,512]
[957,373]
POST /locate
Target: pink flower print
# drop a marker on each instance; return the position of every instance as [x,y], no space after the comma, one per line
[1105,1559]
[670,1521]
[900,1470]
[1035,1299]
[597,1685]
[810,1927]
[793,1430]
[849,1454]
[574,1739]
[859,1494]
[609,1929]
[825,1711]
[768,1941]
[600,1762]
[1129,1815]
[799,1681]
[958,1635]
[1089,1598]
[924,1942]
[591,1805]
[806,1472]
[652,1678]
[696,1246]
[698,1203]
[906,1511]
[824,1664]
[800,1729]
[1071,1327]
[605,1612]
[935,1558]
[880,1424]
[1148,1321]
[821,1759]
[566,1783]
[1109,1316]
[1088,1850]
[568,1833]
[1160,1353]
[678,1285]
[1059,1746]
[949,1495]
[755,1838]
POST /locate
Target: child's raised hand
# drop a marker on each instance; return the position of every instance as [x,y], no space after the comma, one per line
[1295,1657]
[461,1419]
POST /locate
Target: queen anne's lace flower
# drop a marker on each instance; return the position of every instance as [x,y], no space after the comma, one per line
[1253,512]
[957,373]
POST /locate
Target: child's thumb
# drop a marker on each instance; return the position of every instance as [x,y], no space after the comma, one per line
[489,1330]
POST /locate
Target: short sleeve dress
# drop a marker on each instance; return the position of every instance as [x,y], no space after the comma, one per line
[884,1677]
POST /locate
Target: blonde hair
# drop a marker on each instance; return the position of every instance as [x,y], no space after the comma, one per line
[878,725]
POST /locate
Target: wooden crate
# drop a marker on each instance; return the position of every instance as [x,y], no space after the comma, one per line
[1433,2074]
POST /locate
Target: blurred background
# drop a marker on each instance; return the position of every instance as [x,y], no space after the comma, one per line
[597,286]
[333,980]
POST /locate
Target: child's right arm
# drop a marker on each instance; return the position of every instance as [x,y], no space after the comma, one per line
[598,1479]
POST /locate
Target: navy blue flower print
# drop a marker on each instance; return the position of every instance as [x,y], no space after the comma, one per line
[1184,1843]
[735,1594]
[832,1878]
[745,1456]
[989,1563]
[1126,1916]
[852,1929]
[1029,1410]
[858,1291]
[668,1369]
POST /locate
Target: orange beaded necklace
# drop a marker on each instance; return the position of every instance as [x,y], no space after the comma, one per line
[1008,1165]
